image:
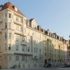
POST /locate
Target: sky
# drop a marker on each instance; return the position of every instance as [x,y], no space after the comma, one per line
[50,14]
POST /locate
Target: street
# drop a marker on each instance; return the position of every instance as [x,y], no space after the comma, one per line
[51,69]
[41,69]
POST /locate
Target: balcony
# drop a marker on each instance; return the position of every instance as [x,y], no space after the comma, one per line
[23,53]
[19,33]
[23,42]
[16,22]
[18,29]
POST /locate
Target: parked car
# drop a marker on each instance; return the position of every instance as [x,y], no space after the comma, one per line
[66,65]
[47,65]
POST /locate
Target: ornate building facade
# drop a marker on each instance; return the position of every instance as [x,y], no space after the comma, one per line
[24,44]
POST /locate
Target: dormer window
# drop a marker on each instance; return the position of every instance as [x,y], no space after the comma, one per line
[42,30]
[38,27]
[50,34]
[46,32]
[57,37]
[69,41]
[14,8]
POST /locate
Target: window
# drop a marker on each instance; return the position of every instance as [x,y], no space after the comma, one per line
[9,47]
[9,35]
[9,25]
[5,35]
[35,49]
[23,39]
[17,41]
[26,58]
[30,24]
[23,58]
[21,29]
[17,47]
[59,46]
[17,38]
[40,51]
[13,7]
[9,15]
[18,27]
[21,20]
[5,25]
[17,18]
[69,41]
[5,14]
[17,57]
[10,57]
[28,49]
[23,47]
[5,46]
